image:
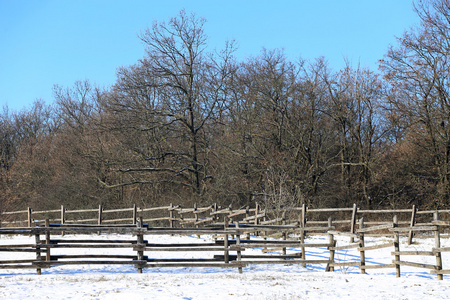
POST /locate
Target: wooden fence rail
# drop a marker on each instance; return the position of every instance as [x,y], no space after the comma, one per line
[229,231]
[44,241]
[229,246]
[177,216]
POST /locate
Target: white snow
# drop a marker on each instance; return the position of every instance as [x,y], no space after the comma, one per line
[257,281]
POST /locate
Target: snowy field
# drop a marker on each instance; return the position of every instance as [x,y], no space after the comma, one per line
[257,281]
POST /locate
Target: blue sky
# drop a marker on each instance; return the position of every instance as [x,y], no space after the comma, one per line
[48,42]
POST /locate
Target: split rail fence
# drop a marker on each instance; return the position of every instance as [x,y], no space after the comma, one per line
[235,232]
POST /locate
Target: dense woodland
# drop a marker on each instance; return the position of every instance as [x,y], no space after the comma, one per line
[187,123]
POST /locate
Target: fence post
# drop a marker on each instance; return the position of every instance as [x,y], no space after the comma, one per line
[247,214]
[140,244]
[63,216]
[29,217]
[283,217]
[332,243]
[303,216]
[134,214]
[413,222]
[256,221]
[100,213]
[437,245]
[238,244]
[396,246]
[303,232]
[38,253]
[353,222]
[362,254]
[225,240]
[171,215]
[47,240]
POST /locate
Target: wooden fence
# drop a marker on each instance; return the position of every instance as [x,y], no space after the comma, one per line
[232,240]
[345,219]
[230,244]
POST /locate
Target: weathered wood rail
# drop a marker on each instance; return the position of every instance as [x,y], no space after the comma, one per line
[345,219]
[229,246]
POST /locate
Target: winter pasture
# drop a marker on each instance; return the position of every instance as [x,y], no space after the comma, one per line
[275,281]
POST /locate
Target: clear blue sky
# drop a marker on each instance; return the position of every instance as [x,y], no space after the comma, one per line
[49,42]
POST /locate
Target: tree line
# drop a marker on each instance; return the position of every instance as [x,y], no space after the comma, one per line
[185,124]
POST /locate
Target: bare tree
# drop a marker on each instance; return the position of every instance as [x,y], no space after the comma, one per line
[418,72]
[169,100]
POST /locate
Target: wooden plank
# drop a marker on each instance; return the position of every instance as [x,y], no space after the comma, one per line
[14,212]
[442,272]
[420,253]
[16,261]
[373,228]
[88,245]
[56,257]
[189,249]
[413,264]
[196,265]
[278,245]
[88,262]
[68,241]
[118,210]
[185,245]
[154,208]
[445,249]
[441,223]
[31,250]
[237,213]
[185,260]
[329,209]
[378,266]
[19,267]
[385,211]
[234,257]
[77,211]
[17,246]
[368,248]
[415,228]
[300,261]
[46,211]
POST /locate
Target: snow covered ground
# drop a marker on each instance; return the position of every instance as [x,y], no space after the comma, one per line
[257,282]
